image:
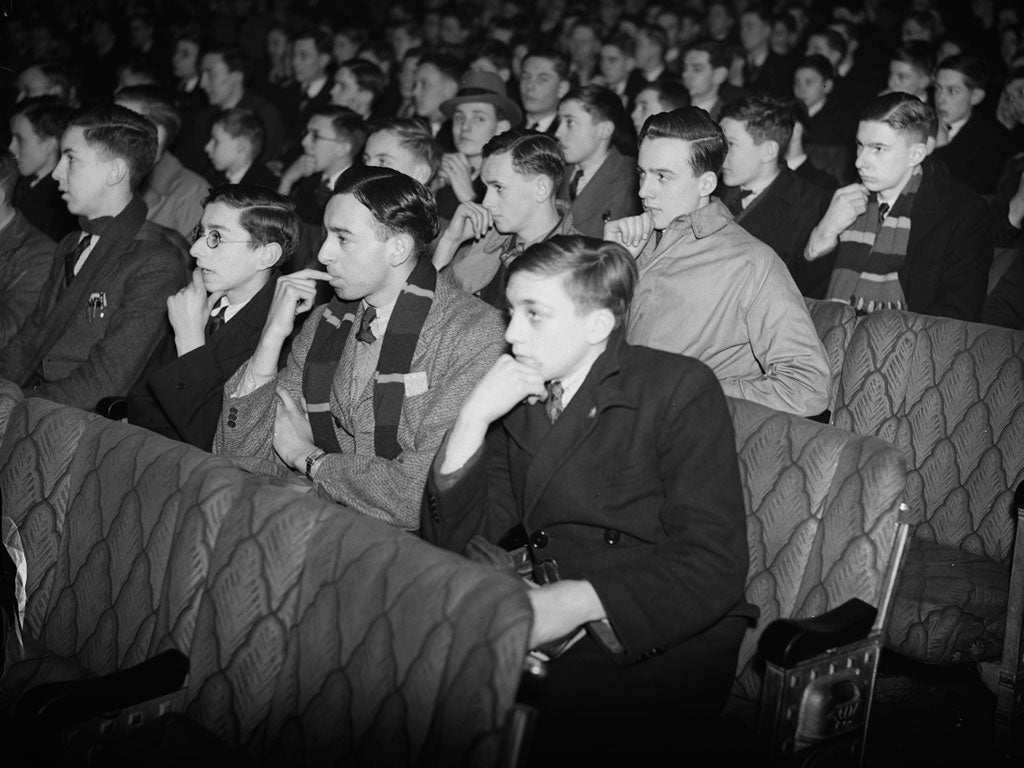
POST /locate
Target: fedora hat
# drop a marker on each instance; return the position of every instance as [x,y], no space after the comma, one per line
[486,88]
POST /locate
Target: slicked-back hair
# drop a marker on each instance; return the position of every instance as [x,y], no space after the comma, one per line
[917,54]
[8,174]
[671,94]
[234,57]
[975,70]
[903,113]
[155,105]
[559,61]
[400,205]
[266,216]
[346,124]
[693,125]
[718,54]
[819,64]
[243,123]
[601,103]
[368,76]
[413,134]
[117,132]
[765,118]
[48,115]
[597,274]
[531,153]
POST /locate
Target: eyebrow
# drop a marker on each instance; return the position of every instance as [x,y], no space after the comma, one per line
[339,230]
[663,171]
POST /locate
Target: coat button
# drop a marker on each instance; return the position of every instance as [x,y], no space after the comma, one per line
[231,423]
[180,385]
[233,411]
[612,536]
[539,539]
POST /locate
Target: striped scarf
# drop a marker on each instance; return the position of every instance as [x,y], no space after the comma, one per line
[871,254]
[395,361]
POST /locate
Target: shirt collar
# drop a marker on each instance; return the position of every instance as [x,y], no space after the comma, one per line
[314,88]
[572,383]
[545,122]
[236,178]
[704,221]
[380,323]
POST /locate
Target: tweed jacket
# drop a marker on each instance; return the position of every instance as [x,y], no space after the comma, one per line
[460,341]
[610,194]
[25,258]
[71,351]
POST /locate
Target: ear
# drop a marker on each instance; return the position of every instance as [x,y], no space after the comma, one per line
[563,88]
[769,151]
[977,96]
[920,150]
[708,183]
[605,129]
[600,324]
[268,256]
[542,188]
[719,75]
[503,125]
[117,172]
[325,60]
[161,139]
[401,249]
[421,172]
[828,86]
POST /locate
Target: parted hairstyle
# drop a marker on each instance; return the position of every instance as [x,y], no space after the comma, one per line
[903,113]
[765,118]
[414,134]
[266,216]
[48,115]
[693,125]
[155,105]
[531,153]
[598,274]
[243,123]
[601,103]
[400,205]
[974,69]
[671,94]
[117,132]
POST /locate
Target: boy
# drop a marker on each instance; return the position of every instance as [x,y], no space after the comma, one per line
[245,234]
[543,83]
[910,70]
[404,144]
[908,236]
[830,126]
[599,183]
[618,67]
[236,140]
[655,98]
[103,310]
[537,441]
[705,70]
[36,127]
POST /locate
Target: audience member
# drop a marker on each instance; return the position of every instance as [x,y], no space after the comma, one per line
[599,182]
[618,68]
[705,70]
[37,125]
[707,288]
[768,199]
[908,235]
[236,140]
[437,80]
[46,79]
[405,145]
[172,193]
[764,71]
[584,47]
[796,157]
[102,310]
[245,234]
[535,440]
[910,70]
[311,90]
[830,129]
[542,85]
[25,256]
[364,416]
[655,98]
[651,47]
[358,85]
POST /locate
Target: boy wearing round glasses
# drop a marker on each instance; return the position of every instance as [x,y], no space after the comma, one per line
[245,234]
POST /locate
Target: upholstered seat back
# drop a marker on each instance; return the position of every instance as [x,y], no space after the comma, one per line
[326,637]
[822,506]
[950,395]
[10,396]
[834,323]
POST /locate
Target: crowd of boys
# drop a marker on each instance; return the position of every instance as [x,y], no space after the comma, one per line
[487,271]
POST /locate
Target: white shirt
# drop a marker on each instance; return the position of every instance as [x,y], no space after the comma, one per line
[235,178]
[757,189]
[544,123]
[314,88]
[231,309]
[954,129]
[812,111]
[796,162]
[571,384]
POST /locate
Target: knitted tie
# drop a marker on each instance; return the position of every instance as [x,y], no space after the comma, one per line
[72,258]
[365,332]
[883,210]
[216,320]
[574,185]
[553,405]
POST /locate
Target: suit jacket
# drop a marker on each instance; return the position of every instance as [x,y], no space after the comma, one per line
[773,78]
[44,208]
[635,488]
[782,217]
[181,397]
[610,194]
[26,255]
[977,154]
[459,342]
[1005,305]
[73,351]
[174,195]
[808,171]
[260,176]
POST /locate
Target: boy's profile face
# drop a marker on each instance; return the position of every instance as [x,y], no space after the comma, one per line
[745,158]
[83,173]
[580,136]
[668,186]
[907,78]
[885,157]
[235,266]
[546,330]
[647,103]
[512,197]
[227,152]
[954,98]
[34,154]
[323,144]
[384,149]
[809,87]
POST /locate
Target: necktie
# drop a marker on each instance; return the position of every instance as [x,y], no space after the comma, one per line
[365,333]
[216,320]
[883,211]
[574,185]
[72,258]
[553,405]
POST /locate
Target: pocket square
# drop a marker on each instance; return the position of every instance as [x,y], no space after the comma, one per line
[416,383]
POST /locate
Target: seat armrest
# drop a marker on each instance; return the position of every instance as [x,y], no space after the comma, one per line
[787,642]
[115,408]
[1018,497]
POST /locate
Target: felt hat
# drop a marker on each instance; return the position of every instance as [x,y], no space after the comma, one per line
[485,87]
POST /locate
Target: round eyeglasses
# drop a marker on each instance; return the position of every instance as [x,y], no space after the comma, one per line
[213,238]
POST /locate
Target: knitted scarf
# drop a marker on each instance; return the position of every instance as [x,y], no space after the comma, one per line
[866,272]
[395,360]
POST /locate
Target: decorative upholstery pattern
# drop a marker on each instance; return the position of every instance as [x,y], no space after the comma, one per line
[822,506]
[834,323]
[950,395]
[10,396]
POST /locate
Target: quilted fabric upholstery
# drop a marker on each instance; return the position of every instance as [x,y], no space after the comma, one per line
[950,395]
[10,396]
[328,637]
[822,506]
[834,323]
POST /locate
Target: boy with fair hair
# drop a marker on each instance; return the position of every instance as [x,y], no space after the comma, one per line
[537,439]
[103,309]
[236,141]
[404,144]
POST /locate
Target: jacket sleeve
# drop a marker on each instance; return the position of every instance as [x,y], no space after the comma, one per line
[963,282]
[30,268]
[190,391]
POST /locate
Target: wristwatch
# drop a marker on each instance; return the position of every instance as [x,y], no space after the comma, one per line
[312,459]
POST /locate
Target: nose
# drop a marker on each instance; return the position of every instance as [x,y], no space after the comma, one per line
[861,161]
[512,332]
[645,192]
[488,201]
